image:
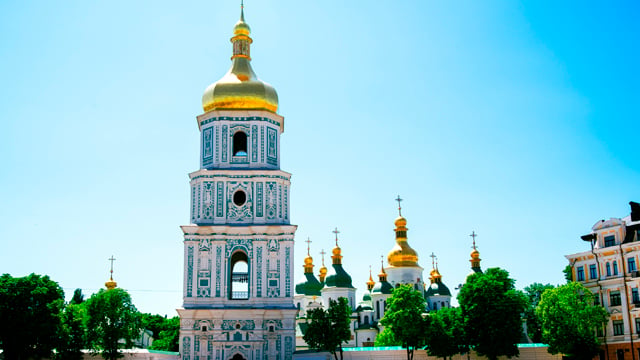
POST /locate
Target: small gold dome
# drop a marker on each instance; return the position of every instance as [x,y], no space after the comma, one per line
[435,274]
[323,270]
[240,88]
[475,254]
[111,284]
[336,251]
[401,222]
[308,260]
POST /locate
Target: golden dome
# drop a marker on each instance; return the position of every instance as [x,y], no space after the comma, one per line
[240,88]
[308,260]
[336,251]
[402,254]
[111,284]
[475,254]
[323,270]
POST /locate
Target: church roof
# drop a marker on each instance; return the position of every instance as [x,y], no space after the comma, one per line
[382,287]
[309,285]
[338,278]
[437,288]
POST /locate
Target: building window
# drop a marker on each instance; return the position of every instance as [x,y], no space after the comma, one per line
[609,240]
[638,326]
[634,296]
[615,268]
[377,309]
[239,289]
[614,298]
[631,264]
[608,269]
[580,273]
[593,272]
[620,354]
[596,299]
[618,327]
[240,144]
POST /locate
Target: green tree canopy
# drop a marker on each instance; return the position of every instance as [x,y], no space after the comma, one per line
[492,309]
[445,333]
[328,329]
[72,335]
[78,297]
[534,293]
[168,338]
[111,318]
[30,309]
[403,318]
[570,320]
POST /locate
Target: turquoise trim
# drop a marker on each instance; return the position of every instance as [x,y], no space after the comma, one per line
[212,176]
[163,352]
[251,118]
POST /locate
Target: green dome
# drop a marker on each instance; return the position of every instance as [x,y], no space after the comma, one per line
[366,297]
[308,285]
[437,289]
[382,287]
[338,278]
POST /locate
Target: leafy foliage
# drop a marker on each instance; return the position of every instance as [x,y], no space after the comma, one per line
[168,337]
[492,308]
[111,317]
[385,338]
[78,297]
[30,309]
[570,319]
[568,273]
[403,318]
[445,333]
[328,329]
[534,293]
[72,335]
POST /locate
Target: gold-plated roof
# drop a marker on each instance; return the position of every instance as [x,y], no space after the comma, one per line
[402,255]
[240,88]
[111,284]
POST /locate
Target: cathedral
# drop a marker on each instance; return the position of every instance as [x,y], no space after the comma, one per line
[239,300]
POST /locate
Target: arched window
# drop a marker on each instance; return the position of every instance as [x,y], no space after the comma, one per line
[615,268]
[366,319]
[239,289]
[240,144]
[377,309]
[608,269]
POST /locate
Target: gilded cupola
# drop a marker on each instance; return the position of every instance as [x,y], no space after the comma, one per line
[402,255]
[437,287]
[338,277]
[111,284]
[240,88]
[308,285]
[370,282]
[323,269]
[475,255]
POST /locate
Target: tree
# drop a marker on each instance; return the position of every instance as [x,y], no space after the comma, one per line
[568,273]
[169,336]
[492,310]
[78,297]
[72,335]
[111,317]
[328,329]
[385,338]
[570,320]
[29,315]
[445,333]
[533,293]
[403,317]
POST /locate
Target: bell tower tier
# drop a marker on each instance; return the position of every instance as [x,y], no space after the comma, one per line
[238,296]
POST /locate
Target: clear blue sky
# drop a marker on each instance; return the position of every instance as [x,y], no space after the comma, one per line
[517,120]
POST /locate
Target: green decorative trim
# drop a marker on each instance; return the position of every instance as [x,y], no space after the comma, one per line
[224,149]
[212,176]
[250,118]
[259,200]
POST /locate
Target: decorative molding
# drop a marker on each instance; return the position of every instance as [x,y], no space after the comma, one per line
[287,271]
[259,199]
[250,118]
[219,201]
[190,271]
[234,244]
[244,325]
[254,143]
[207,146]
[186,348]
[218,268]
[224,148]
[259,271]
[272,146]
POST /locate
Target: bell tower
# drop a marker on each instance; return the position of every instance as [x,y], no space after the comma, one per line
[238,249]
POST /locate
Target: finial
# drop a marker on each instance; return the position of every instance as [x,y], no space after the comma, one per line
[335,231]
[242,10]
[112,259]
[322,253]
[433,260]
[399,200]
[473,236]
[308,243]
[382,262]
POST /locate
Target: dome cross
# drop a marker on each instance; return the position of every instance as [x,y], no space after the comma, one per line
[335,231]
[473,236]
[399,200]
[308,241]
[112,259]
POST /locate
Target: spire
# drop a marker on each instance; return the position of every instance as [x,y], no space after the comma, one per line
[475,254]
[242,10]
[111,284]
[337,252]
[323,269]
[308,261]
[382,276]
[402,254]
[434,276]
[370,283]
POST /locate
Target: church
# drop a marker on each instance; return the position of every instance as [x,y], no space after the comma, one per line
[239,299]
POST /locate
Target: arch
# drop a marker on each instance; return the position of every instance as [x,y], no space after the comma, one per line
[239,279]
[238,356]
[239,144]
